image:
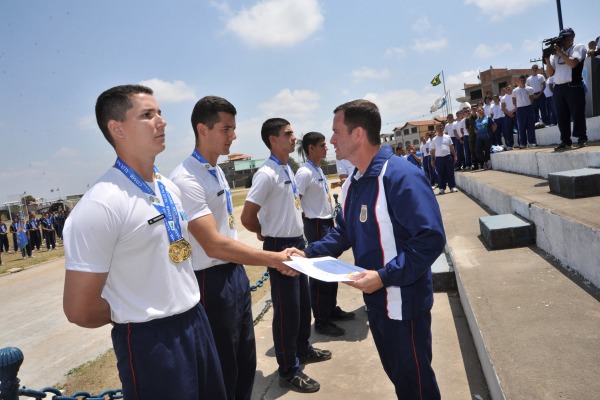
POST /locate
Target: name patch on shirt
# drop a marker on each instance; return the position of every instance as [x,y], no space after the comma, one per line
[156,219]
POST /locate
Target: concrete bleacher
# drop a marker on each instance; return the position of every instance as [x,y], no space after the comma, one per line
[534,312]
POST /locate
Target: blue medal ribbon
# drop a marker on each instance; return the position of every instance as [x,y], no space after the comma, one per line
[323,179]
[214,171]
[286,170]
[169,209]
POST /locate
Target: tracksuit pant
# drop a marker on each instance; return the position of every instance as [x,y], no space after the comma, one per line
[225,297]
[323,295]
[169,358]
[509,125]
[404,348]
[569,101]
[526,125]
[458,147]
[291,311]
[445,169]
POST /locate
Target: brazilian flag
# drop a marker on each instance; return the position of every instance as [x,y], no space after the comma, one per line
[436,81]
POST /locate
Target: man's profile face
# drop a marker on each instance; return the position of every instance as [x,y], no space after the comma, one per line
[342,137]
[220,137]
[143,130]
[285,141]
[320,149]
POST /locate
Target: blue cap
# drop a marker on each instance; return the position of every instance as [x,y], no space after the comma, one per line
[566,32]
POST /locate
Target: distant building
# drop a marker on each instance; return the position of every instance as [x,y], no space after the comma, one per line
[239,169]
[492,80]
[409,133]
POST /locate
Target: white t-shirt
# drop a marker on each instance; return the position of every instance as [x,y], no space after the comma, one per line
[497,111]
[424,149]
[272,190]
[463,125]
[316,202]
[449,129]
[344,167]
[507,100]
[535,81]
[203,194]
[441,145]
[487,110]
[547,91]
[108,231]
[562,72]
[522,96]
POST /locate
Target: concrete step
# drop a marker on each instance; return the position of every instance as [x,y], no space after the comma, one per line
[541,161]
[536,327]
[567,229]
[551,135]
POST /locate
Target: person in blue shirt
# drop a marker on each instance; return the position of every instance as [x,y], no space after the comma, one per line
[485,127]
[392,221]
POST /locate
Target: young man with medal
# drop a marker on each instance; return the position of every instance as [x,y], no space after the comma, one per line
[391,220]
[272,211]
[128,262]
[217,255]
[318,220]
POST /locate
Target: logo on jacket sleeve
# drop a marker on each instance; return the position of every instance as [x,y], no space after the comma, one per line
[363,213]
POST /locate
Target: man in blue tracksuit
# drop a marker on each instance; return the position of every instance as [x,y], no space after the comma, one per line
[392,221]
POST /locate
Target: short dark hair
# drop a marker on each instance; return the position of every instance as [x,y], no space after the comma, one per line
[271,127]
[113,104]
[311,138]
[365,114]
[207,109]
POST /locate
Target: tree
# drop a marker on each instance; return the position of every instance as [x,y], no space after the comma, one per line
[28,199]
[294,165]
[300,149]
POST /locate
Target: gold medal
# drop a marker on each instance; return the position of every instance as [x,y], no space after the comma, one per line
[180,250]
[231,221]
[297,203]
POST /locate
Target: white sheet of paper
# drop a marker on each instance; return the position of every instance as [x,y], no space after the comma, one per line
[327,269]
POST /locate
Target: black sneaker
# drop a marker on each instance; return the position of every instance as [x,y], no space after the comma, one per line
[563,146]
[300,383]
[581,144]
[316,355]
[328,328]
[340,315]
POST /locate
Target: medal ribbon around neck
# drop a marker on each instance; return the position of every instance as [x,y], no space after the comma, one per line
[214,171]
[286,169]
[323,179]
[169,210]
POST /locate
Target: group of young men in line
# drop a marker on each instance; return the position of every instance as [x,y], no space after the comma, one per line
[46,227]
[159,260]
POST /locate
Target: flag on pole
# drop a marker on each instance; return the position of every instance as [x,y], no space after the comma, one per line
[436,80]
[439,103]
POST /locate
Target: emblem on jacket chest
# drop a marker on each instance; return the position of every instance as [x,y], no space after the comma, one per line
[363,213]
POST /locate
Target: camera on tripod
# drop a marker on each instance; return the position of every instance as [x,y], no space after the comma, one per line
[549,43]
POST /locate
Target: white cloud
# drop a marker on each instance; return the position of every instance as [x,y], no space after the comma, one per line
[533,45]
[277,23]
[66,152]
[170,92]
[422,25]
[425,45]
[399,106]
[395,51]
[369,73]
[507,9]
[485,51]
[88,123]
[291,104]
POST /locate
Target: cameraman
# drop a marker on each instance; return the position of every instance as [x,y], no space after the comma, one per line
[566,65]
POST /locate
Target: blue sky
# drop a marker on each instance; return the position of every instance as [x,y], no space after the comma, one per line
[296,59]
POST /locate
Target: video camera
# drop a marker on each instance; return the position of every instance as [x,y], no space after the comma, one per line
[549,43]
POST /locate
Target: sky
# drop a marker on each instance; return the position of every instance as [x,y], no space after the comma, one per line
[295,59]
